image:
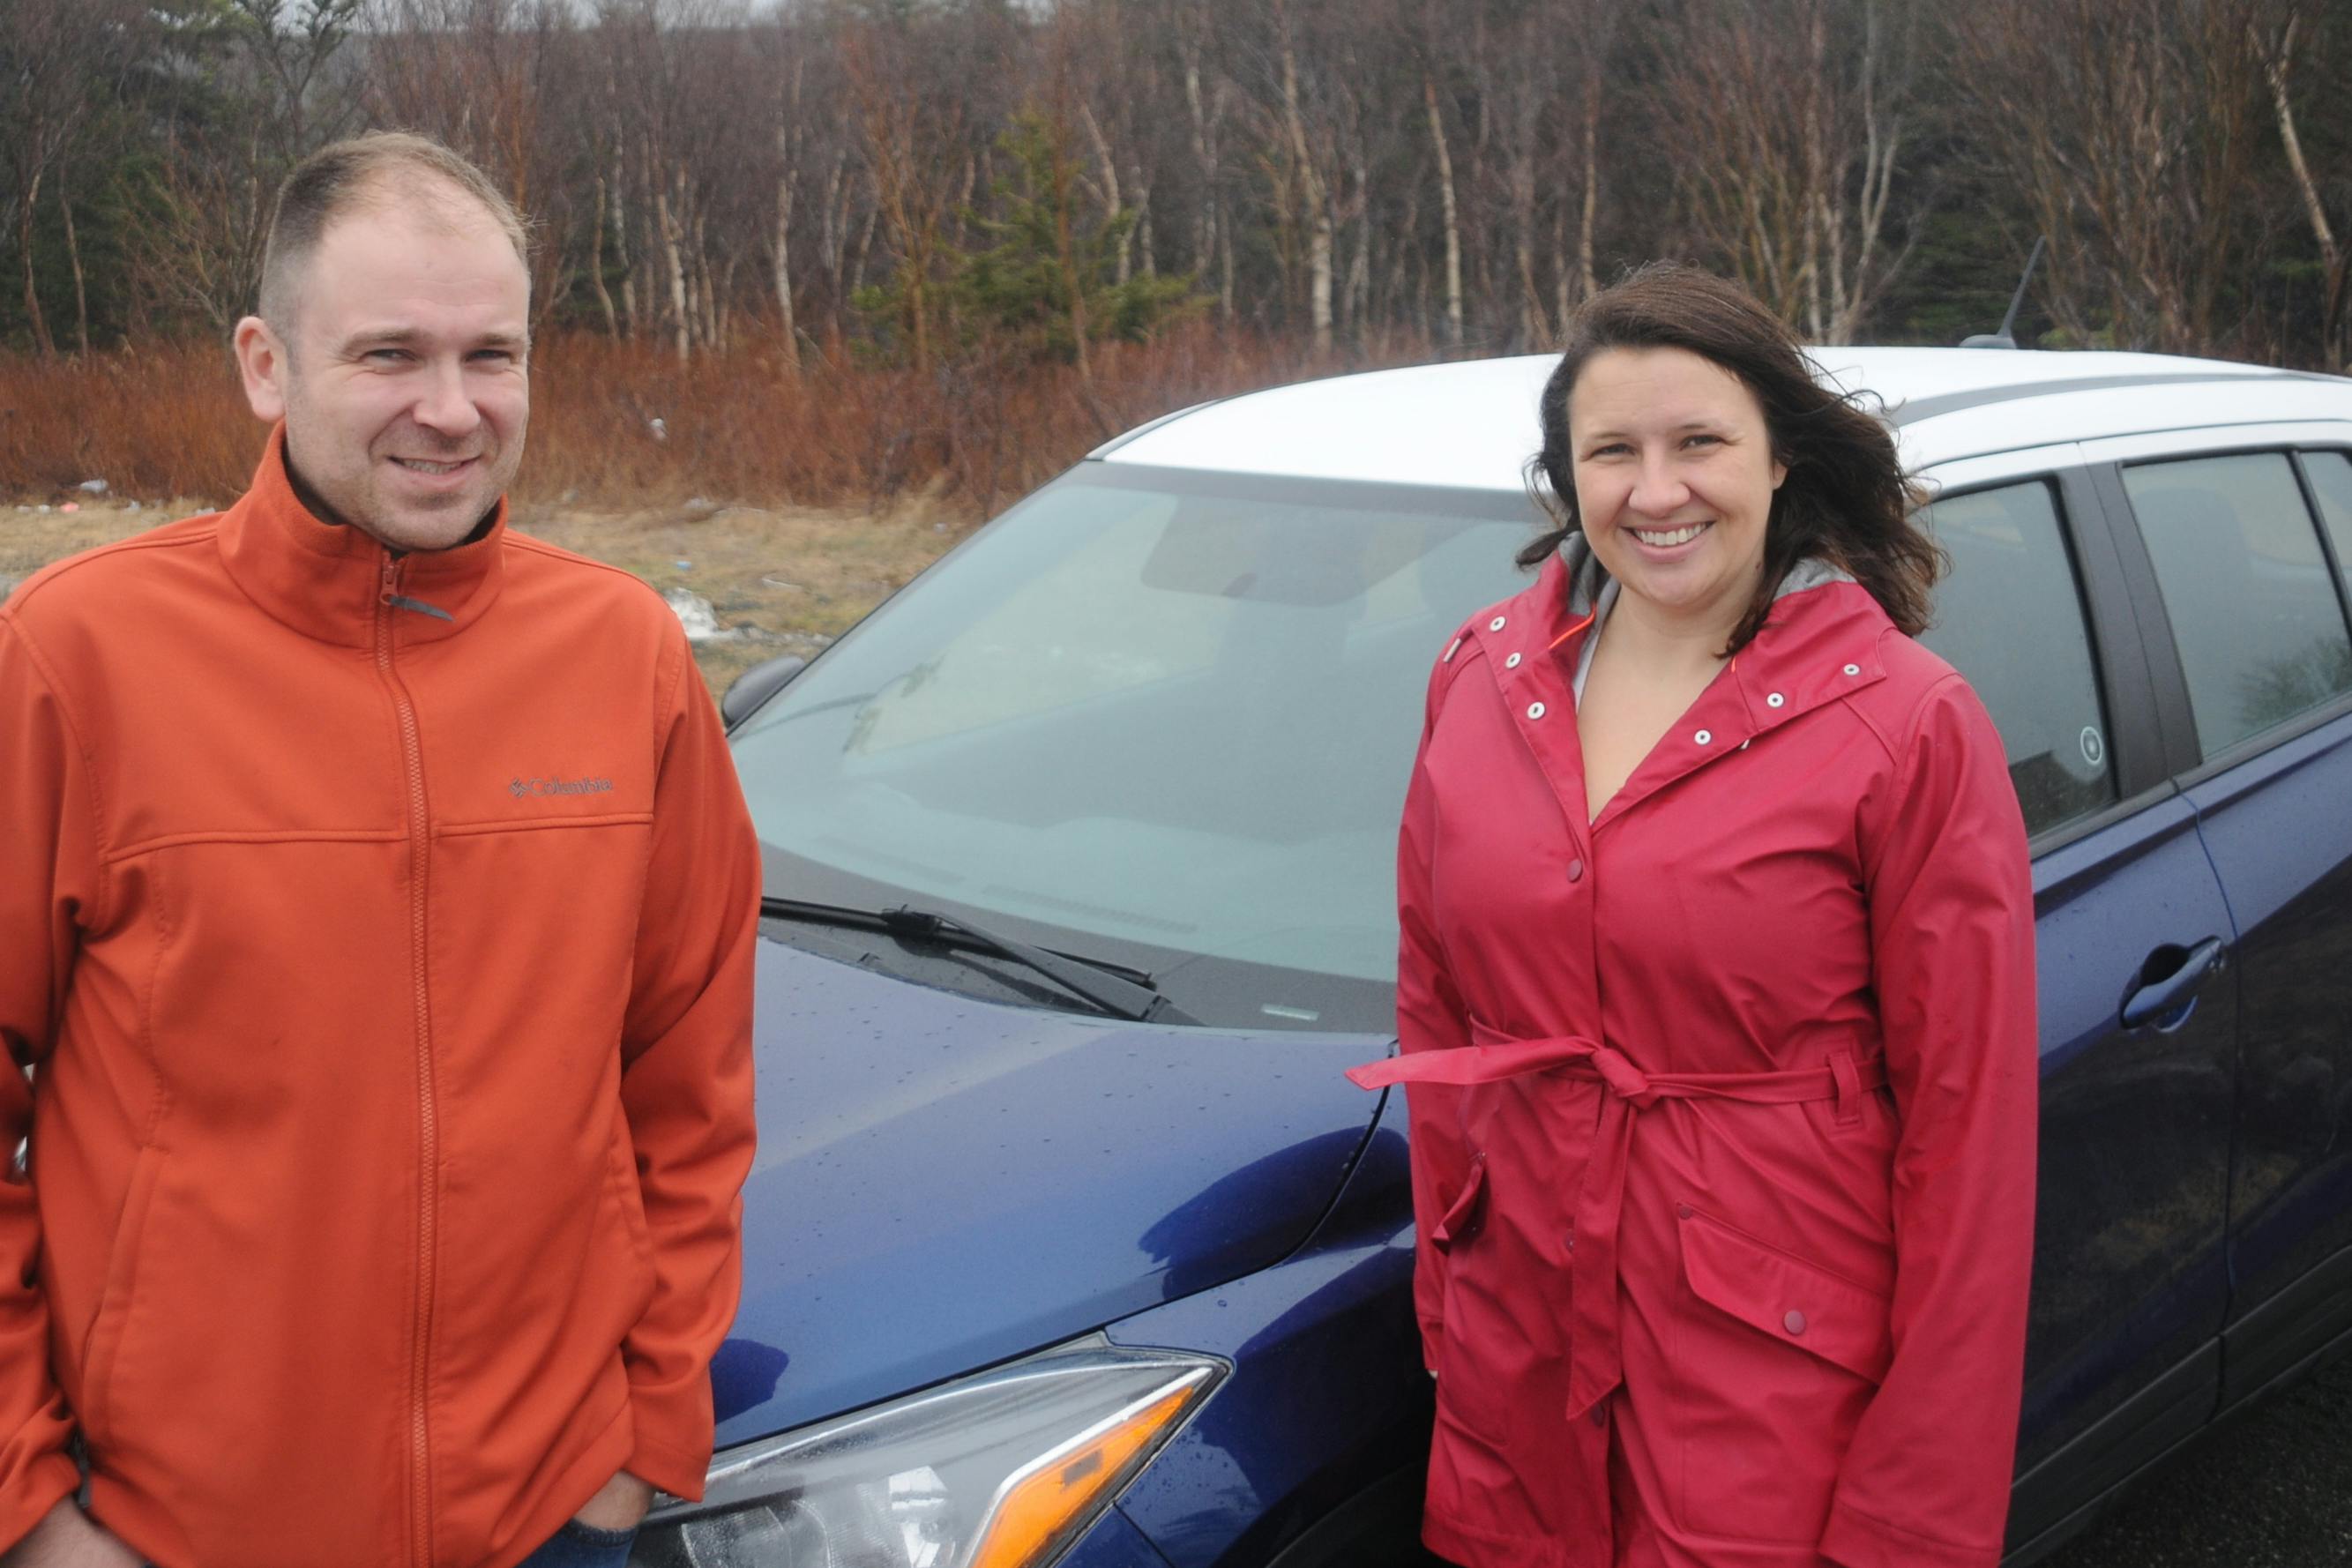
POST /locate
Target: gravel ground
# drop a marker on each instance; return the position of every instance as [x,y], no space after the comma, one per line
[2273,1489]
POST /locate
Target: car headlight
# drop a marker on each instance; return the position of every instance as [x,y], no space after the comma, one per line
[1003,1469]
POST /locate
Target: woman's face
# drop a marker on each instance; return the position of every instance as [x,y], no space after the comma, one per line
[1675,478]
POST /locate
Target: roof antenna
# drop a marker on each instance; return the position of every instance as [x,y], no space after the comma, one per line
[2001,339]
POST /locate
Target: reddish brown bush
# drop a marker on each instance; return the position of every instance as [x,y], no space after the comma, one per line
[620,424]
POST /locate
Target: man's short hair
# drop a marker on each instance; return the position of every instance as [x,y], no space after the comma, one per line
[382,166]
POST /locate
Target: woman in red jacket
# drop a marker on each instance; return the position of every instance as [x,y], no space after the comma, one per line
[1717,997]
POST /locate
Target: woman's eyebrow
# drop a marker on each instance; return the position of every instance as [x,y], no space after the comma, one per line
[1704,423]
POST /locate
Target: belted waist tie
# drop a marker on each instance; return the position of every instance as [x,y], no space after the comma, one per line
[1595,1357]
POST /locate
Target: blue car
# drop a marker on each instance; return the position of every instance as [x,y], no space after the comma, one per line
[1068,1243]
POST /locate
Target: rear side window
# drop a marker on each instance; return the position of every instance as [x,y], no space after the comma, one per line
[2331,484]
[2254,614]
[2010,618]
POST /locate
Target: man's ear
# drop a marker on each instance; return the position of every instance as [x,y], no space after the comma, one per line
[261,361]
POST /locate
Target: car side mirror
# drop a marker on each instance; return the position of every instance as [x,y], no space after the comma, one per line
[756,685]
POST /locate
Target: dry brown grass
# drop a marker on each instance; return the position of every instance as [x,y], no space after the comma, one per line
[785,581]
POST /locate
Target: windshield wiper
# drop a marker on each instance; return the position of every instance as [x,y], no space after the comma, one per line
[1113,995]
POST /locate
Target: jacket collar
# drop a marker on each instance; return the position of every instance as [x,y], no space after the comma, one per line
[335,582]
[1821,643]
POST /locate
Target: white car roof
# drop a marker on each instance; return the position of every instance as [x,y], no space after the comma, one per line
[1472,424]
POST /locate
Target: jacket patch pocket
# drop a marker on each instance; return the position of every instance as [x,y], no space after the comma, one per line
[1462,1216]
[102,1349]
[1774,1361]
[1475,1377]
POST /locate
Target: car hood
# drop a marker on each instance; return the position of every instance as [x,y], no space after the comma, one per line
[944,1182]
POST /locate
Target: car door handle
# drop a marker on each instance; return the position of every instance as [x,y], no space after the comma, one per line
[2177,974]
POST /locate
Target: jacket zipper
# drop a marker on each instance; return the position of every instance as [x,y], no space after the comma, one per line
[420,1502]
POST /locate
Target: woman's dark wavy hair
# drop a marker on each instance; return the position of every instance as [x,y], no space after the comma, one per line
[1846,498]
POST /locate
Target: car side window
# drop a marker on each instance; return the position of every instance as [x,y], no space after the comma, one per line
[2258,624]
[2010,618]
[2331,485]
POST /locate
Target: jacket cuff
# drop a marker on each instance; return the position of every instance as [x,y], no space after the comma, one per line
[29,1495]
[1854,1539]
[672,1443]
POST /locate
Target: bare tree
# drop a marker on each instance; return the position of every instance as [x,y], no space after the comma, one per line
[480,75]
[911,139]
[1787,123]
[53,56]
[2127,127]
[283,79]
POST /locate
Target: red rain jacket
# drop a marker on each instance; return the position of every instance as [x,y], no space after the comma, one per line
[1723,1104]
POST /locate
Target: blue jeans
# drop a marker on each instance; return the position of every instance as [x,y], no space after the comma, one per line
[578,1545]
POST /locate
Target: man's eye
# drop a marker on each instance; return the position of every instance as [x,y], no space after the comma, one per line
[493,356]
[386,356]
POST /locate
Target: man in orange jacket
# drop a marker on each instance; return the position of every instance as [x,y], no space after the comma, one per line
[376,929]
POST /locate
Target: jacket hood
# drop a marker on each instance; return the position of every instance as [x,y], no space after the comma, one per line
[944,1182]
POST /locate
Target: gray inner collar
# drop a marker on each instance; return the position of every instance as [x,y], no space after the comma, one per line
[1587,580]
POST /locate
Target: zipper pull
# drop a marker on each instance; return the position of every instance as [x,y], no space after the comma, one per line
[390,589]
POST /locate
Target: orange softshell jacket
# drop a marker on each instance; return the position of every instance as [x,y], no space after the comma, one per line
[379,932]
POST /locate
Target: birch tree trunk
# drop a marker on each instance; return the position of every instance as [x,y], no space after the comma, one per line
[1148,261]
[1204,222]
[2276,61]
[1817,217]
[1357,299]
[73,254]
[1586,270]
[1316,200]
[792,335]
[621,244]
[596,263]
[1453,218]
[666,222]
[1123,266]
[41,340]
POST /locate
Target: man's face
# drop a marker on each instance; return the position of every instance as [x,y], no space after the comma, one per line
[404,376]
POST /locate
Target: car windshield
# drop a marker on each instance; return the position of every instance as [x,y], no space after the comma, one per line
[1148,716]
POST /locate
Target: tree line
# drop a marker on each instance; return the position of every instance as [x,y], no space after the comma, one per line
[919,182]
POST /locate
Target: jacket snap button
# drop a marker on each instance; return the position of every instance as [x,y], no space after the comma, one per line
[1576,870]
[1569,1241]
[1535,709]
[1495,625]
[1704,737]
[1512,662]
[1682,1211]
[1853,669]
[1775,700]
[1794,1322]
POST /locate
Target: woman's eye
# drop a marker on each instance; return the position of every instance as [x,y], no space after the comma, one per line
[1702,438]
